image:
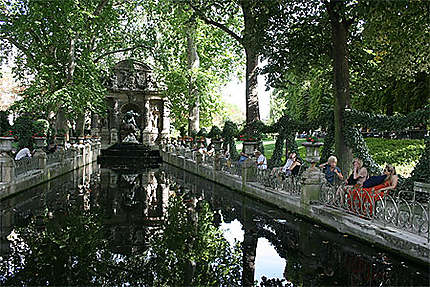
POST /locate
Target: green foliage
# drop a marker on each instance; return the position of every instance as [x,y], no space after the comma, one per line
[421,172]
[24,129]
[4,122]
[229,133]
[202,132]
[215,133]
[41,127]
[65,46]
[393,151]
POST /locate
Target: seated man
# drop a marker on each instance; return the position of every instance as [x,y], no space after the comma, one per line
[25,152]
[242,158]
[261,160]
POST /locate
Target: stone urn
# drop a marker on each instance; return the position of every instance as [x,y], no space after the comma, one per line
[6,144]
[60,140]
[40,142]
[217,144]
[312,152]
[249,147]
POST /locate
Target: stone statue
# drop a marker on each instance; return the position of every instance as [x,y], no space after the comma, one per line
[130,126]
[155,115]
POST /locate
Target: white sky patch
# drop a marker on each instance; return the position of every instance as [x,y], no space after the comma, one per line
[234,93]
[232,231]
[267,261]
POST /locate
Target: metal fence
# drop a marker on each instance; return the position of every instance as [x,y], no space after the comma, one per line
[54,157]
[25,165]
[386,209]
[279,182]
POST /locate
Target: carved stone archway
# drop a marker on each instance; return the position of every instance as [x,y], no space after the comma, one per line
[131,85]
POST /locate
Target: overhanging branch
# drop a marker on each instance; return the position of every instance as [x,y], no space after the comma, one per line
[20,47]
[216,24]
[118,51]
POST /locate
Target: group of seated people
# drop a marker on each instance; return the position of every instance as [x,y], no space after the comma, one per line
[260,159]
[359,184]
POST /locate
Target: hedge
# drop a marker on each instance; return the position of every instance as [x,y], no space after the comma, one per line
[394,151]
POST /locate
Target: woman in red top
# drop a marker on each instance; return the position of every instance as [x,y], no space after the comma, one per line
[370,195]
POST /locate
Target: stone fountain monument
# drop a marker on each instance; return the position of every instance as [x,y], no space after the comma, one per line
[137,118]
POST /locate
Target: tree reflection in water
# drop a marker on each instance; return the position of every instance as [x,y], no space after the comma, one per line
[161,228]
[74,246]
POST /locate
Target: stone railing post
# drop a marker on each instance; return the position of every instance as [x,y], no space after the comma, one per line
[113,136]
[41,158]
[199,158]
[312,179]
[249,171]
[7,168]
[217,160]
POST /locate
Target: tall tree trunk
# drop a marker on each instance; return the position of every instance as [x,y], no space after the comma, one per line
[80,125]
[193,66]
[340,27]
[252,104]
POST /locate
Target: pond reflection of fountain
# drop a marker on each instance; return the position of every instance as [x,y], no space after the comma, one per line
[134,207]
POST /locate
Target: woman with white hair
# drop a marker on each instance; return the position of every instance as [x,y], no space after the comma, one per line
[331,171]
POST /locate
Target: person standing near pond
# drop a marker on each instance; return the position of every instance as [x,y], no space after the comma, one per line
[331,172]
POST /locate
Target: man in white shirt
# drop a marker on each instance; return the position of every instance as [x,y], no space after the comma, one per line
[261,160]
[25,152]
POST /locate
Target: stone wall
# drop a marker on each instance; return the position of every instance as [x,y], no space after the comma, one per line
[44,167]
[397,240]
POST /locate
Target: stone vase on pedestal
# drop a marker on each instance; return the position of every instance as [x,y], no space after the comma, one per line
[6,144]
[6,162]
[312,151]
[39,142]
[217,144]
[249,147]
[312,177]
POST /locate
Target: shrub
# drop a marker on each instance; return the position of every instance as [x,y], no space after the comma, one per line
[394,151]
[215,133]
[4,122]
[24,129]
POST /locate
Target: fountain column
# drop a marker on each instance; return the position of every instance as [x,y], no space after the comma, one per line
[147,121]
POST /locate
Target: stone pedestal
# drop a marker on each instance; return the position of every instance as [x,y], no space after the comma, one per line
[7,168]
[249,147]
[105,135]
[217,161]
[40,142]
[41,158]
[312,179]
[249,171]
[199,158]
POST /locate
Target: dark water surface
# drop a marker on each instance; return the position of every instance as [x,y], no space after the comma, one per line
[166,227]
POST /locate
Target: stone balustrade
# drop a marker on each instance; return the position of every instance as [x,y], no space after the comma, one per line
[395,223]
[16,176]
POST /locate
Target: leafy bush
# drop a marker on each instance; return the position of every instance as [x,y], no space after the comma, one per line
[4,122]
[215,133]
[41,128]
[24,129]
[394,151]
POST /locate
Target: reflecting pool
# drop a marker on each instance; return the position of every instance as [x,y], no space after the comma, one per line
[166,227]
